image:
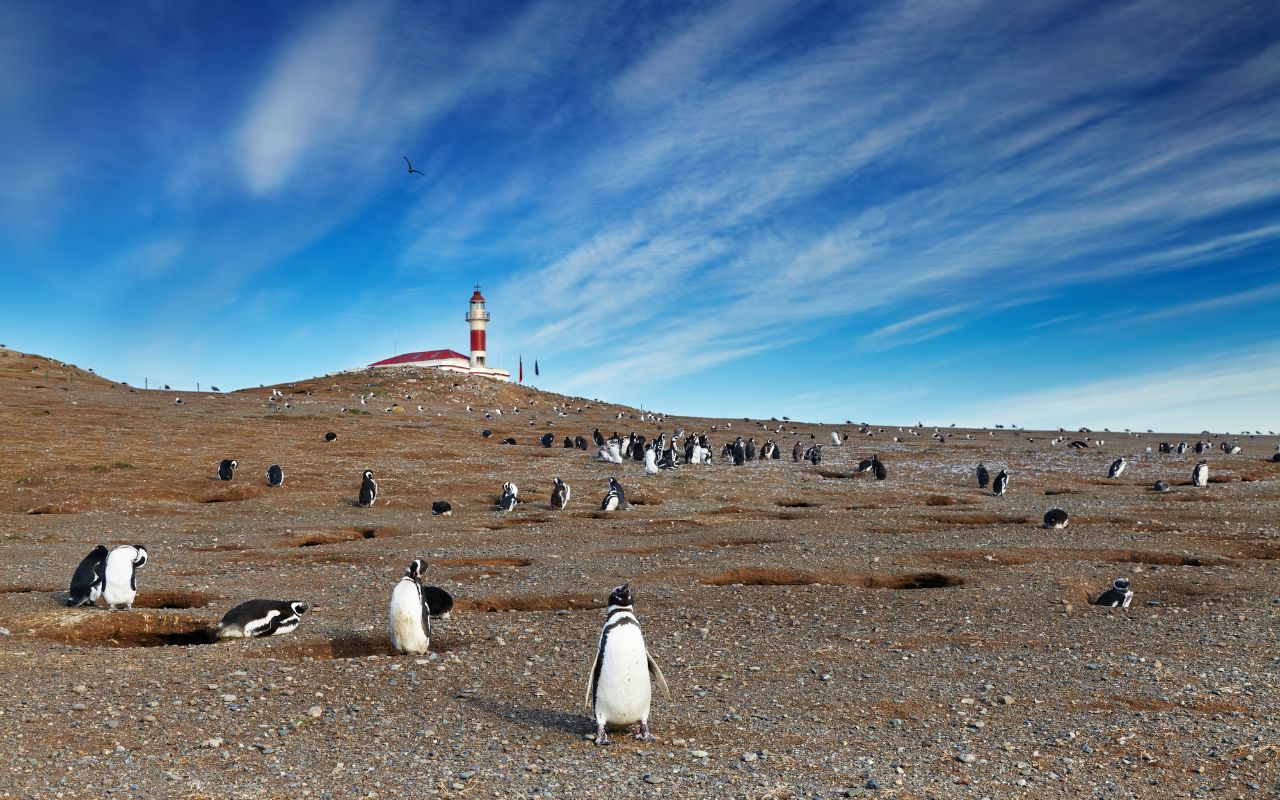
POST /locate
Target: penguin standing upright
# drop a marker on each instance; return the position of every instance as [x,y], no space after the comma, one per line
[619,691]
[560,493]
[1118,596]
[227,469]
[751,449]
[275,475]
[1001,484]
[835,439]
[1200,475]
[797,452]
[121,575]
[769,451]
[1117,468]
[89,578]
[410,612]
[368,489]
[510,496]
[548,438]
[739,452]
[616,487]
[878,469]
[650,462]
[254,618]
[984,476]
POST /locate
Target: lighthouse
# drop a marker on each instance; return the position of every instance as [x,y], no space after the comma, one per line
[478,318]
[452,360]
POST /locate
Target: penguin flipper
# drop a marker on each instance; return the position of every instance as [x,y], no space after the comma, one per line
[655,672]
[591,681]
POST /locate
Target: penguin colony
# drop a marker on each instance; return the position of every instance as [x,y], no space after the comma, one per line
[619,689]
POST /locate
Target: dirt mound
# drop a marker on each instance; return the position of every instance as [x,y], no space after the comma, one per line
[101,628]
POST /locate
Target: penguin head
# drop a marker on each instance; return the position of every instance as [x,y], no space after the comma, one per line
[299,608]
[557,482]
[368,475]
[1121,584]
[416,568]
[234,463]
[140,557]
[621,596]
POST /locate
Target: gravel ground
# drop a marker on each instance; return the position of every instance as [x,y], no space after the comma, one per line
[824,634]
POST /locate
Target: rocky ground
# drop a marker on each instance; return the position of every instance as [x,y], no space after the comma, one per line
[824,634]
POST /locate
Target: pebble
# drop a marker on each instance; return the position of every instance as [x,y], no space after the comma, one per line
[1006,700]
[80,689]
[315,712]
[966,758]
[748,757]
[649,778]
[873,784]
[699,753]
[4,632]
[213,742]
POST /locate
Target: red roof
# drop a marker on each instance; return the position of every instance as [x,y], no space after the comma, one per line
[477,297]
[425,355]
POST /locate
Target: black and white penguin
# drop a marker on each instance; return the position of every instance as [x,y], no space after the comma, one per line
[1056,519]
[227,469]
[739,452]
[597,437]
[797,452]
[486,433]
[580,442]
[89,579]
[877,468]
[769,451]
[866,464]
[568,443]
[984,476]
[1200,475]
[560,493]
[548,439]
[751,449]
[439,601]
[441,508]
[1160,486]
[275,475]
[368,489]
[510,496]
[330,436]
[1117,468]
[1001,484]
[619,692]
[1118,596]
[120,576]
[509,440]
[254,618]
[835,439]
[410,612]
[650,461]
[813,454]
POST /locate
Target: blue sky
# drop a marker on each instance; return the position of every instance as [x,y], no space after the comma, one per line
[1019,212]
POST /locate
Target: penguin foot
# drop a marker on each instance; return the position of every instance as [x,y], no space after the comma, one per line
[602,738]
[644,735]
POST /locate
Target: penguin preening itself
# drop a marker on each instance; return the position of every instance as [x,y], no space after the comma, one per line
[619,691]
[1118,596]
[410,612]
[441,508]
[1200,475]
[984,476]
[1117,468]
[89,579]
[275,475]
[120,576]
[227,469]
[1001,484]
[254,618]
[368,489]
[560,493]
[510,496]
[1056,519]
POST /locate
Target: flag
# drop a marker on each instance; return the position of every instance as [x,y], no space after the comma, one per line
[522,369]
[535,367]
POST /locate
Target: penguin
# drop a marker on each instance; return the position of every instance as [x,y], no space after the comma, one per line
[560,493]
[835,439]
[275,475]
[1056,519]
[227,469]
[597,437]
[368,489]
[619,691]
[1160,486]
[510,496]
[509,440]
[410,612]
[877,468]
[1200,475]
[89,579]
[120,577]
[650,462]
[769,451]
[1118,596]
[254,618]
[1001,484]
[1182,448]
[1166,448]
[616,487]
[866,464]
[814,454]
[568,443]
[486,433]
[797,452]
[441,508]
[548,439]
[611,501]
[580,442]
[739,452]
[984,476]
[439,601]
[751,449]
[1117,468]
[330,436]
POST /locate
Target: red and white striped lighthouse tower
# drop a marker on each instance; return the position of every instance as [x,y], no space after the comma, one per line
[478,318]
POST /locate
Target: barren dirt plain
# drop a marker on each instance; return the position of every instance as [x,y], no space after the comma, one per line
[824,634]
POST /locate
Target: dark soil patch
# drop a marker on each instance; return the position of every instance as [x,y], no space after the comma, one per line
[55,508]
[835,473]
[535,602]
[480,562]
[943,500]
[981,519]
[235,494]
[512,522]
[762,576]
[317,538]
[1055,492]
[22,588]
[173,598]
[101,628]
[798,504]
[220,548]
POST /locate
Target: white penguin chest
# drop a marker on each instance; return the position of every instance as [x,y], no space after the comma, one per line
[407,631]
[119,580]
[623,692]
